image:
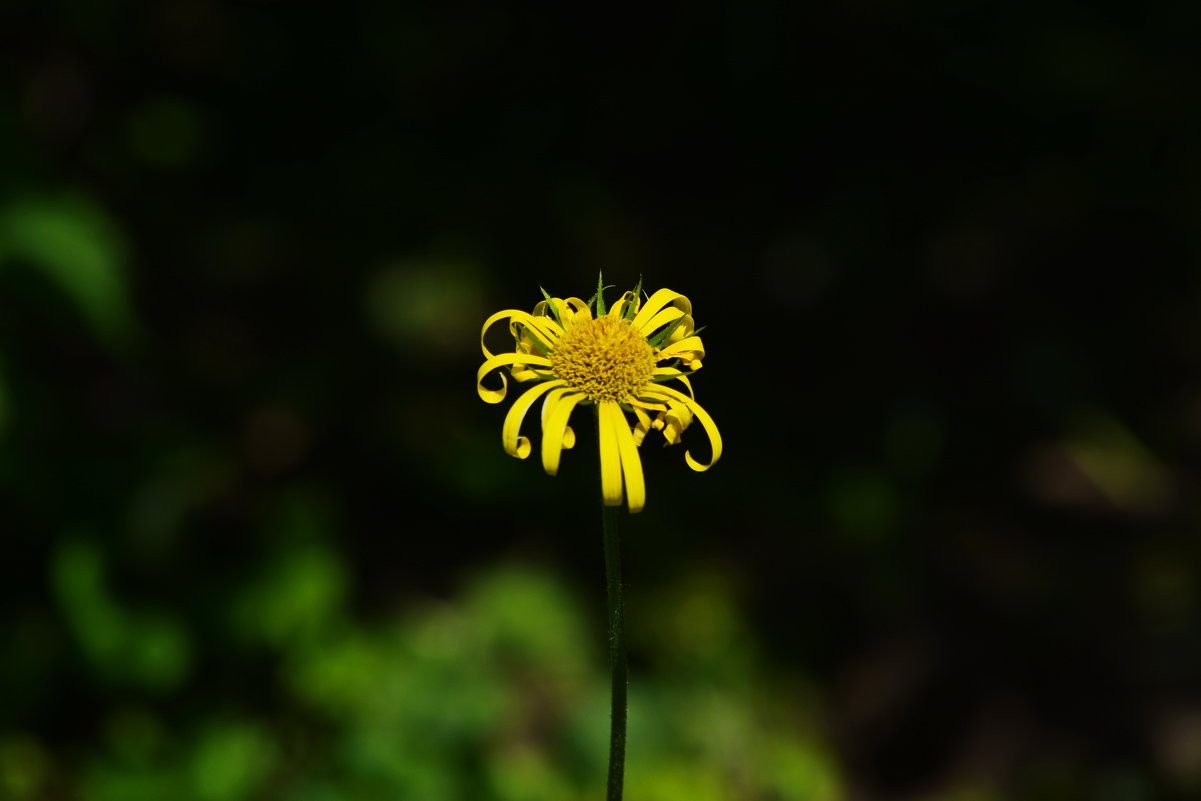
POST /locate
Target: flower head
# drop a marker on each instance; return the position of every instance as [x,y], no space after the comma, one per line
[621,361]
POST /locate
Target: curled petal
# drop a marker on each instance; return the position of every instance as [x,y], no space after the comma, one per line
[528,330]
[575,310]
[568,305]
[500,315]
[551,309]
[675,421]
[656,302]
[669,394]
[557,408]
[496,362]
[568,309]
[643,426]
[672,420]
[514,443]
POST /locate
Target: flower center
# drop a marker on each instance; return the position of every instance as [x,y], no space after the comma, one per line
[603,358]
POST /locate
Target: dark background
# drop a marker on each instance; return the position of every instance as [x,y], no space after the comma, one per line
[261,540]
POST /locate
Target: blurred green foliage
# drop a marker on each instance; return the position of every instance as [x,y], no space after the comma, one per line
[77,245]
[497,693]
[145,649]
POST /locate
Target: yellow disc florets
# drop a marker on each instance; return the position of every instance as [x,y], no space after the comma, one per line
[604,358]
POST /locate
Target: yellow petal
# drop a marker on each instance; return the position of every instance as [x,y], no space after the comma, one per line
[554,426]
[676,375]
[546,329]
[705,420]
[684,329]
[643,426]
[495,362]
[548,406]
[628,301]
[644,404]
[523,372]
[675,421]
[514,444]
[656,302]
[668,315]
[568,308]
[551,401]
[689,348]
[573,308]
[488,324]
[672,420]
[610,455]
[631,464]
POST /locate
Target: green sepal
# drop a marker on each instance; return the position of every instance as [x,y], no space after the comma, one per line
[533,335]
[632,310]
[599,297]
[554,307]
[658,339]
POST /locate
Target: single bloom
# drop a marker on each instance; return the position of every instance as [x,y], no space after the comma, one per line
[623,362]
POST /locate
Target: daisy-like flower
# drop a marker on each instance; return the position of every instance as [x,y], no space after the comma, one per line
[622,361]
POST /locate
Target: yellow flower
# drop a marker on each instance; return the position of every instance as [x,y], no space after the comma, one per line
[619,361]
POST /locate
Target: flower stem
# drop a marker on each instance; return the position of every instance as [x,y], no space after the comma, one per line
[617,652]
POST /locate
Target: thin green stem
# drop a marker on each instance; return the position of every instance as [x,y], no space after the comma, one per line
[617,652]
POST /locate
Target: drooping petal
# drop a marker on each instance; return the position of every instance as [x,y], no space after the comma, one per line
[627,450]
[610,455]
[656,302]
[669,394]
[551,401]
[548,406]
[554,427]
[514,443]
[496,362]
